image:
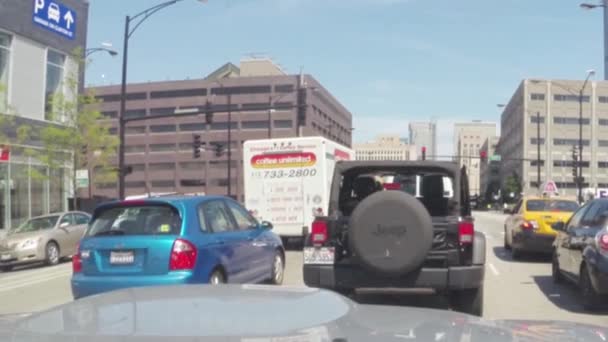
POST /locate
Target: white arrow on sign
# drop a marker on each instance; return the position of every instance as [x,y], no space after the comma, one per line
[69,19]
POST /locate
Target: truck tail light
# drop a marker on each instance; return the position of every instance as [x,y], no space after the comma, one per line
[183,255]
[466,231]
[318,234]
[77,261]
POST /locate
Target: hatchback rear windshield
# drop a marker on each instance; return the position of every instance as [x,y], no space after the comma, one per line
[544,205]
[136,220]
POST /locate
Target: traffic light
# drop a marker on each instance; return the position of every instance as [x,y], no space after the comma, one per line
[301,107]
[208,113]
[219,149]
[423,152]
[196,146]
[127,170]
[483,156]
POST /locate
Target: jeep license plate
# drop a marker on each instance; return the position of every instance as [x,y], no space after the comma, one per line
[319,255]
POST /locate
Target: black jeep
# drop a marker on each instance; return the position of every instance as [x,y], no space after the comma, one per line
[398,225]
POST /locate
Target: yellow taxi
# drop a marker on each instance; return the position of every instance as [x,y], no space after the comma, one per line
[528,227]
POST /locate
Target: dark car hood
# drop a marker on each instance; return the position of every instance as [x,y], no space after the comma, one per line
[267,313]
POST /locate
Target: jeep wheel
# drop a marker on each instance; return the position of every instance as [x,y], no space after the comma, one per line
[469,301]
[390,233]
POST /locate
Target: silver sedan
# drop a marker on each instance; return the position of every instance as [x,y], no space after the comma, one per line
[45,238]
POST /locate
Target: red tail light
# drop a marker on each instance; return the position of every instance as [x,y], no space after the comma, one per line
[77,261]
[466,231]
[529,225]
[318,234]
[602,242]
[392,186]
[183,255]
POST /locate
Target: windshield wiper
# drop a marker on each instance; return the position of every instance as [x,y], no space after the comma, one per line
[110,232]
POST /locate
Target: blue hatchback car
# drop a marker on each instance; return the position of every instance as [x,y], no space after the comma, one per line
[175,240]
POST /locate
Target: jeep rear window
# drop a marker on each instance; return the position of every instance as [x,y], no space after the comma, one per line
[136,220]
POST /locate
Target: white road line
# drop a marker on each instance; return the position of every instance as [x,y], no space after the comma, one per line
[32,273]
[555,295]
[31,281]
[493,269]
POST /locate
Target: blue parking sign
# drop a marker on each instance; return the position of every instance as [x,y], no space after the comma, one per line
[55,16]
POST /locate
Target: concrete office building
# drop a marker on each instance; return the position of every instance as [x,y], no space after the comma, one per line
[35,59]
[468,139]
[557,103]
[424,134]
[385,147]
[160,151]
[489,170]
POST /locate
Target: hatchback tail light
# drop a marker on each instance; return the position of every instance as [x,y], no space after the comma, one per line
[77,261]
[466,231]
[318,234]
[183,255]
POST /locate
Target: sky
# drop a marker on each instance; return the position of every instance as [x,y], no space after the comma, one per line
[388,61]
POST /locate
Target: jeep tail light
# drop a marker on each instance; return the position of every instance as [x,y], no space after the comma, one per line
[602,242]
[392,186]
[318,234]
[77,261]
[466,231]
[183,255]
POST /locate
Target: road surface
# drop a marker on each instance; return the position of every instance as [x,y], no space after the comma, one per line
[514,289]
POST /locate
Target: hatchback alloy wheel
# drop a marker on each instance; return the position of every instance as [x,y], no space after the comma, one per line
[216,278]
[278,269]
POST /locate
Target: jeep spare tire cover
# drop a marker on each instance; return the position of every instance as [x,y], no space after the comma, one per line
[390,232]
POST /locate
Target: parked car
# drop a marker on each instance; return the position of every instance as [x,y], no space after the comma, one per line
[45,238]
[175,240]
[581,252]
[528,228]
[380,236]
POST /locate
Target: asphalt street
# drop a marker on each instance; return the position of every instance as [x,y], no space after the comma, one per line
[520,289]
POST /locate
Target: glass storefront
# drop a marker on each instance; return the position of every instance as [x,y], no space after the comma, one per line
[28,189]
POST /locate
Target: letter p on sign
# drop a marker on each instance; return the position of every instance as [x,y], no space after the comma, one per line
[38,6]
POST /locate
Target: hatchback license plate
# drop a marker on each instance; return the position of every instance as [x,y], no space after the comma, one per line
[319,255]
[122,258]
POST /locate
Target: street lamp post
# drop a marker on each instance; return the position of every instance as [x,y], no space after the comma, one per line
[91,51]
[138,19]
[579,180]
[604,5]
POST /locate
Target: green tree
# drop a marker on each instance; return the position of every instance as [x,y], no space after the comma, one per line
[76,138]
[512,185]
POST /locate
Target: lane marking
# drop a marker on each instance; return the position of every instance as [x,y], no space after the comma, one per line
[493,269]
[17,275]
[555,295]
[27,282]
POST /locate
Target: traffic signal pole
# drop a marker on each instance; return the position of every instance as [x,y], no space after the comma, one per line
[538,150]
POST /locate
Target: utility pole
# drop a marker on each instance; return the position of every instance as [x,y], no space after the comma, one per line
[229,146]
[579,180]
[269,116]
[538,149]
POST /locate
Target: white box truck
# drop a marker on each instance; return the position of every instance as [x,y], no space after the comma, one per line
[287,181]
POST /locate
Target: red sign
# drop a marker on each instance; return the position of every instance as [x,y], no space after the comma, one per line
[5,153]
[341,155]
[283,160]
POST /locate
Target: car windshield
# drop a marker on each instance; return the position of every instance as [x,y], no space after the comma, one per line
[136,220]
[551,205]
[38,223]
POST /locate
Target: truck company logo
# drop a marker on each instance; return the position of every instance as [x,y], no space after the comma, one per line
[341,155]
[283,160]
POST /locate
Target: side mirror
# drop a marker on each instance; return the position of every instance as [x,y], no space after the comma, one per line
[266,225]
[560,225]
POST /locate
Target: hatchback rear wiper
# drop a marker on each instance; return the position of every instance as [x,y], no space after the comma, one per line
[110,232]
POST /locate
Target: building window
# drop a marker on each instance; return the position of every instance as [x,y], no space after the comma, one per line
[162,183]
[602,165]
[255,124]
[569,121]
[569,98]
[109,115]
[162,128]
[178,93]
[535,163]
[603,143]
[602,99]
[284,88]
[255,106]
[136,167]
[533,119]
[192,182]
[5,55]
[220,126]
[603,122]
[113,130]
[135,184]
[283,123]
[568,163]
[161,166]
[135,148]
[190,127]
[537,97]
[55,73]
[185,147]
[241,90]
[162,147]
[534,141]
[135,130]
[135,113]
[162,111]
[570,142]
[195,165]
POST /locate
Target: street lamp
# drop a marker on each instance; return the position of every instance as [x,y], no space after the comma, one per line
[580,180]
[104,47]
[603,4]
[137,19]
